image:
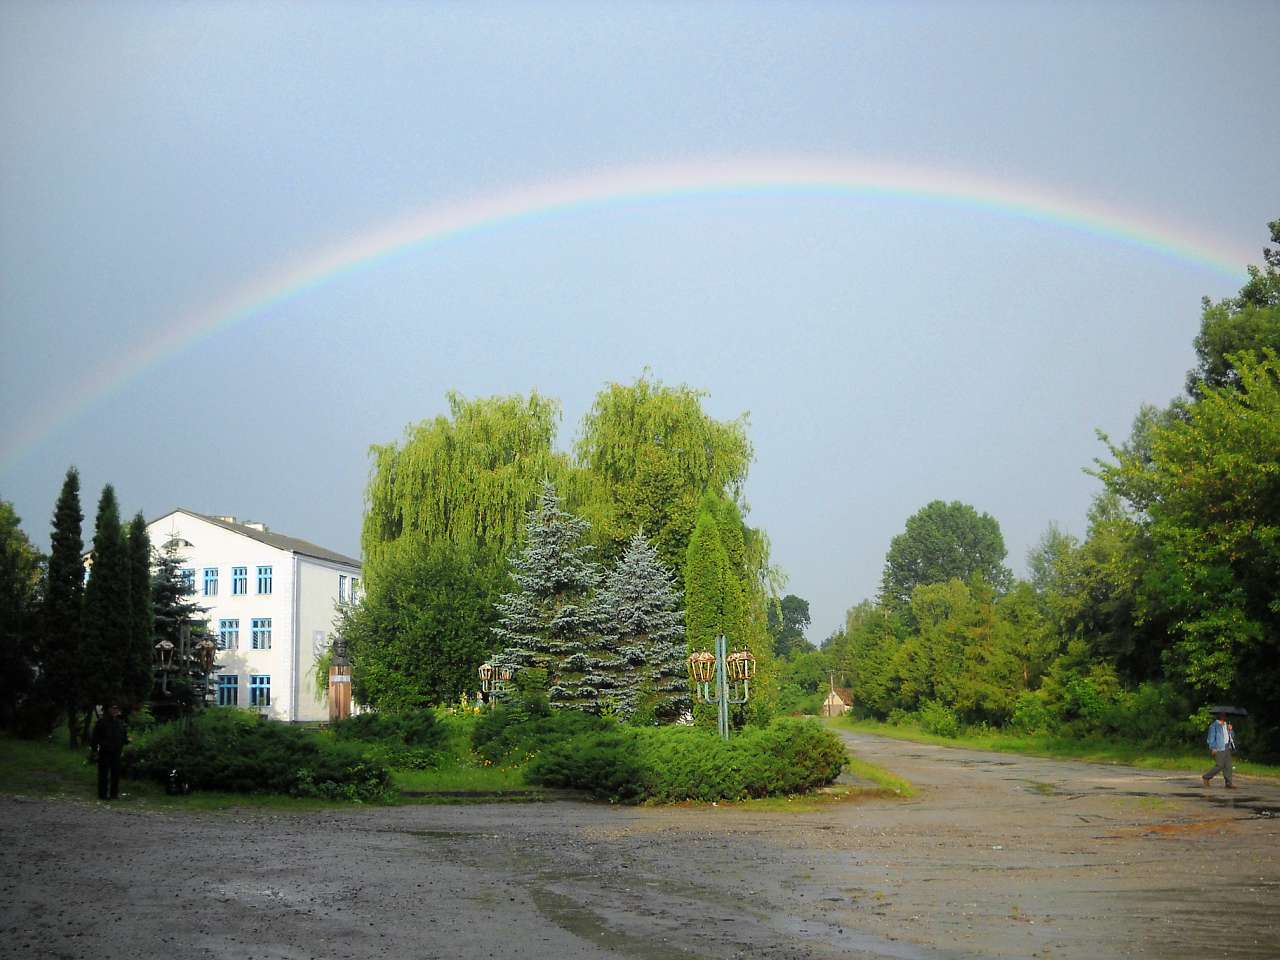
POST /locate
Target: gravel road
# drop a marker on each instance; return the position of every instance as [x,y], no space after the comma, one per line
[998,856]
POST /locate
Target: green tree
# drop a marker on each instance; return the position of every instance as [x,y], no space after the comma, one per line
[706,569]
[108,608]
[1210,500]
[174,608]
[64,677]
[653,451]
[421,631]
[20,575]
[942,541]
[468,478]
[866,651]
[549,622]
[139,643]
[788,619]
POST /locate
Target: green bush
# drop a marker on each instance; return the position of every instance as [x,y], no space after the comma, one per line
[412,739]
[236,751]
[1030,714]
[671,764]
[514,734]
[938,719]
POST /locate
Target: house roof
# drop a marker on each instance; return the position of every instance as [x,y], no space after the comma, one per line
[844,694]
[272,539]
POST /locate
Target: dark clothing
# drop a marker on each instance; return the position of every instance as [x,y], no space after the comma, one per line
[109,737]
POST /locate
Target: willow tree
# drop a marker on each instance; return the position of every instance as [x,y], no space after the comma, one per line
[468,478]
[652,451]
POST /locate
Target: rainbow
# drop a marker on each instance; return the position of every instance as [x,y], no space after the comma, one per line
[689,181]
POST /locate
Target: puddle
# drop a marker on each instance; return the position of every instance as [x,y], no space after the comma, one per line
[1257,808]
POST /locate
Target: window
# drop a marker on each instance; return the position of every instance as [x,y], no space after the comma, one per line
[210,581]
[259,690]
[228,690]
[262,633]
[239,581]
[228,634]
[189,579]
[342,588]
[354,583]
[264,579]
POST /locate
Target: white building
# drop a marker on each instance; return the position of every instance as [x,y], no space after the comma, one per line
[271,602]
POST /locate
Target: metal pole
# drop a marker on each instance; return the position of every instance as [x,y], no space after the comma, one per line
[722,685]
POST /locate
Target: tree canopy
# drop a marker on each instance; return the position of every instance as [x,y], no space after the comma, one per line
[943,541]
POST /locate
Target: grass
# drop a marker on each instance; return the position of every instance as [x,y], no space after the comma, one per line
[881,777]
[1063,748]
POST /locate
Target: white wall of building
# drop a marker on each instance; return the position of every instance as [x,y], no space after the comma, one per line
[300,605]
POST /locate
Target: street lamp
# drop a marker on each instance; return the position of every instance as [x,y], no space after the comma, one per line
[206,652]
[164,663]
[730,673]
[494,679]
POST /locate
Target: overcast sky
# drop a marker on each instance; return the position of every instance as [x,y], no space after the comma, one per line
[891,349]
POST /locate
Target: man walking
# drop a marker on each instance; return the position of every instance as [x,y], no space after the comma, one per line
[109,737]
[1222,741]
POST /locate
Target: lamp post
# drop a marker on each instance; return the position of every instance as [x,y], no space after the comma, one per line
[206,653]
[164,663]
[731,675]
[494,679]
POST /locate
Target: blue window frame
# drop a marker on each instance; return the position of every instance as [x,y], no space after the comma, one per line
[228,634]
[342,588]
[189,579]
[259,690]
[262,633]
[210,581]
[228,690]
[264,580]
[239,581]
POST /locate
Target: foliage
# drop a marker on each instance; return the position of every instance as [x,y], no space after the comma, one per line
[135,668]
[64,678]
[466,479]
[550,622]
[938,719]
[638,609]
[652,452]
[20,581]
[503,735]
[787,621]
[423,627]
[236,751]
[108,624]
[411,740]
[942,541]
[803,681]
[675,763]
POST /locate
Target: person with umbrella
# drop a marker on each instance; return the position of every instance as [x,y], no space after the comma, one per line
[1222,743]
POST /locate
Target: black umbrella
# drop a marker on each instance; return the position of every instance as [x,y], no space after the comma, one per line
[1229,710]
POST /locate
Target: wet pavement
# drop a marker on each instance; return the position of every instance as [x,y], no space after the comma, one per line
[997,856]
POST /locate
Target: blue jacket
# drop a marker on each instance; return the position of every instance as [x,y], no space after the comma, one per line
[1220,737]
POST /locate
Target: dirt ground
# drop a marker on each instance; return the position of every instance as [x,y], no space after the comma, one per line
[997,856]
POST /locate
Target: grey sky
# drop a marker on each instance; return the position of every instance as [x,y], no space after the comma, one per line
[890,352]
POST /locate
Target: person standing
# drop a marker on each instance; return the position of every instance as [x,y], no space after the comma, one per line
[1222,743]
[109,737]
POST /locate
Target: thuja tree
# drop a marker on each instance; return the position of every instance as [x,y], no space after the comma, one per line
[640,615]
[467,478]
[107,606]
[549,623]
[136,671]
[63,678]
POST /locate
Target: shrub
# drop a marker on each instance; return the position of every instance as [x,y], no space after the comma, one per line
[938,719]
[411,739]
[674,763]
[513,734]
[1030,714]
[228,749]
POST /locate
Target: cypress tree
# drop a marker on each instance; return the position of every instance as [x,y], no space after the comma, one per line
[704,576]
[137,671]
[548,623]
[61,655]
[639,608]
[19,582]
[108,606]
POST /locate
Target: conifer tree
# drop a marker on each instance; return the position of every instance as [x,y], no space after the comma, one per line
[19,589]
[549,623]
[639,608]
[138,649]
[704,575]
[61,656]
[174,607]
[108,622]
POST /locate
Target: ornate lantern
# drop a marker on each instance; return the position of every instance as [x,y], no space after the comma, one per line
[741,665]
[702,666]
[486,672]
[164,654]
[206,651]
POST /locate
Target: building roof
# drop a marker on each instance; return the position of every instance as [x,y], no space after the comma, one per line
[262,534]
[843,694]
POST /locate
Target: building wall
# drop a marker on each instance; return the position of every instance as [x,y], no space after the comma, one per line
[301,602]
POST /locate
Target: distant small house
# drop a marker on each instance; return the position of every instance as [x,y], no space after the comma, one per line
[839,700]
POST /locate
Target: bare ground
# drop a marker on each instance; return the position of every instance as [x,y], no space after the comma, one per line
[998,856]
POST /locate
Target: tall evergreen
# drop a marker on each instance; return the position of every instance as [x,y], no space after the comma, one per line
[63,674]
[108,605]
[19,589]
[640,615]
[137,670]
[705,569]
[174,607]
[549,623]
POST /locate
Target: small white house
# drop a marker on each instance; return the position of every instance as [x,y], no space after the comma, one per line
[271,601]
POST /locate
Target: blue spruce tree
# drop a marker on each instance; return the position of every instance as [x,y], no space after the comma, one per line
[549,622]
[640,614]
